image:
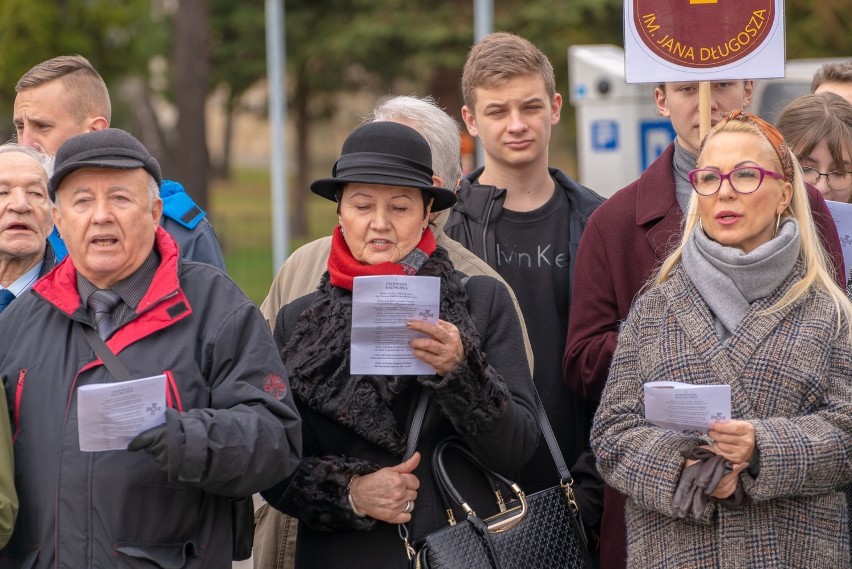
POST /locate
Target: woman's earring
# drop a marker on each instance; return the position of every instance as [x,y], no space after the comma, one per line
[777,224]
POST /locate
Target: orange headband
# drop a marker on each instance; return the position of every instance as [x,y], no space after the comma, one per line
[770,133]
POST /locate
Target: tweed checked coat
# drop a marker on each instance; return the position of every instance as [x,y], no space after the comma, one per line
[791,376]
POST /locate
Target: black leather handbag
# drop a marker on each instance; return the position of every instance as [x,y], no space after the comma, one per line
[540,531]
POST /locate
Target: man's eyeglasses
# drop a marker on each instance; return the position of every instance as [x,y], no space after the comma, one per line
[744,180]
[837,179]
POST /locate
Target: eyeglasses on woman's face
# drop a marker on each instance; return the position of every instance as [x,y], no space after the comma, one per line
[744,180]
[837,179]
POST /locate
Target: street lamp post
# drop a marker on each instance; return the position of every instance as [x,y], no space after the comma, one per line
[483,24]
[276,61]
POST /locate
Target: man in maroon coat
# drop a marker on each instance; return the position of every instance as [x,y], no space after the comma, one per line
[625,240]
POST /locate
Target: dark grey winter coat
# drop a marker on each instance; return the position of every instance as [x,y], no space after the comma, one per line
[116,508]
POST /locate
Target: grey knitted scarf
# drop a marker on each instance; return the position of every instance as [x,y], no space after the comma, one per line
[730,280]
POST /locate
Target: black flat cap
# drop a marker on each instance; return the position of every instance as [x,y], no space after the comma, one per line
[107,148]
[387,154]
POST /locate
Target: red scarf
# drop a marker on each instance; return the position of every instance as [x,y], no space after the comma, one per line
[343,267]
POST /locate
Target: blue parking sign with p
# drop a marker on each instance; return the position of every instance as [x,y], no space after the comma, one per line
[654,136]
[604,135]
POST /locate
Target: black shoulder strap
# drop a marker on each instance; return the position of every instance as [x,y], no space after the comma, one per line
[550,439]
[544,423]
[112,363]
[420,412]
[417,423]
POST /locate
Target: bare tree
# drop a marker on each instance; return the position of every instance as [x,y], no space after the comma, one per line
[191,82]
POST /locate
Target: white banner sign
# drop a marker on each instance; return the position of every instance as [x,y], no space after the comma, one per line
[703,40]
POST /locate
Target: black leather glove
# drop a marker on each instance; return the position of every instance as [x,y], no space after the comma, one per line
[163,442]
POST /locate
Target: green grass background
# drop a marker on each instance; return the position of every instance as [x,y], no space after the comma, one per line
[241,213]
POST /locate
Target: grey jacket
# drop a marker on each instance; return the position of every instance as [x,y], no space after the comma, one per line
[116,508]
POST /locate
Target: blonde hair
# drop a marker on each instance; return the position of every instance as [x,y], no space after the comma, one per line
[819,273]
[500,57]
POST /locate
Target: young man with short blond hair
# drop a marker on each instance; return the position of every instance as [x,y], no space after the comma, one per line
[525,220]
[65,96]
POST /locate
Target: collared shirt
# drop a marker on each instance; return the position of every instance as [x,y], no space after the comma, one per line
[25,282]
[131,290]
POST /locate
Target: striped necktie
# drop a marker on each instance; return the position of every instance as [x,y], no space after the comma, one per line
[102,302]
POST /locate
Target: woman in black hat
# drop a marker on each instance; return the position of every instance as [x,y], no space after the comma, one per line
[353,488]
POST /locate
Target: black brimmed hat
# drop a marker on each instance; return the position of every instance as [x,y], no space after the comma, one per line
[388,154]
[107,148]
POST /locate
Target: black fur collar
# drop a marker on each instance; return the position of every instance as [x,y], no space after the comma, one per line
[317,359]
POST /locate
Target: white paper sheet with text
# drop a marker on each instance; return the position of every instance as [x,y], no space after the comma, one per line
[686,407]
[381,307]
[842,214]
[109,415]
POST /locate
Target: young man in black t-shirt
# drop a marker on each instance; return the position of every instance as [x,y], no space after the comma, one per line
[525,220]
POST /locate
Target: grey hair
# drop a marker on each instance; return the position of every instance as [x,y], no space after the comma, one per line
[44,160]
[153,192]
[440,130]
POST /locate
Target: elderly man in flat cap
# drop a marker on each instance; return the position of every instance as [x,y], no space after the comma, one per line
[25,220]
[125,294]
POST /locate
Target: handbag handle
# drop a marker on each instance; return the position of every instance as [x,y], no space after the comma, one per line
[541,415]
[550,439]
[410,448]
[445,497]
[443,480]
[420,412]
